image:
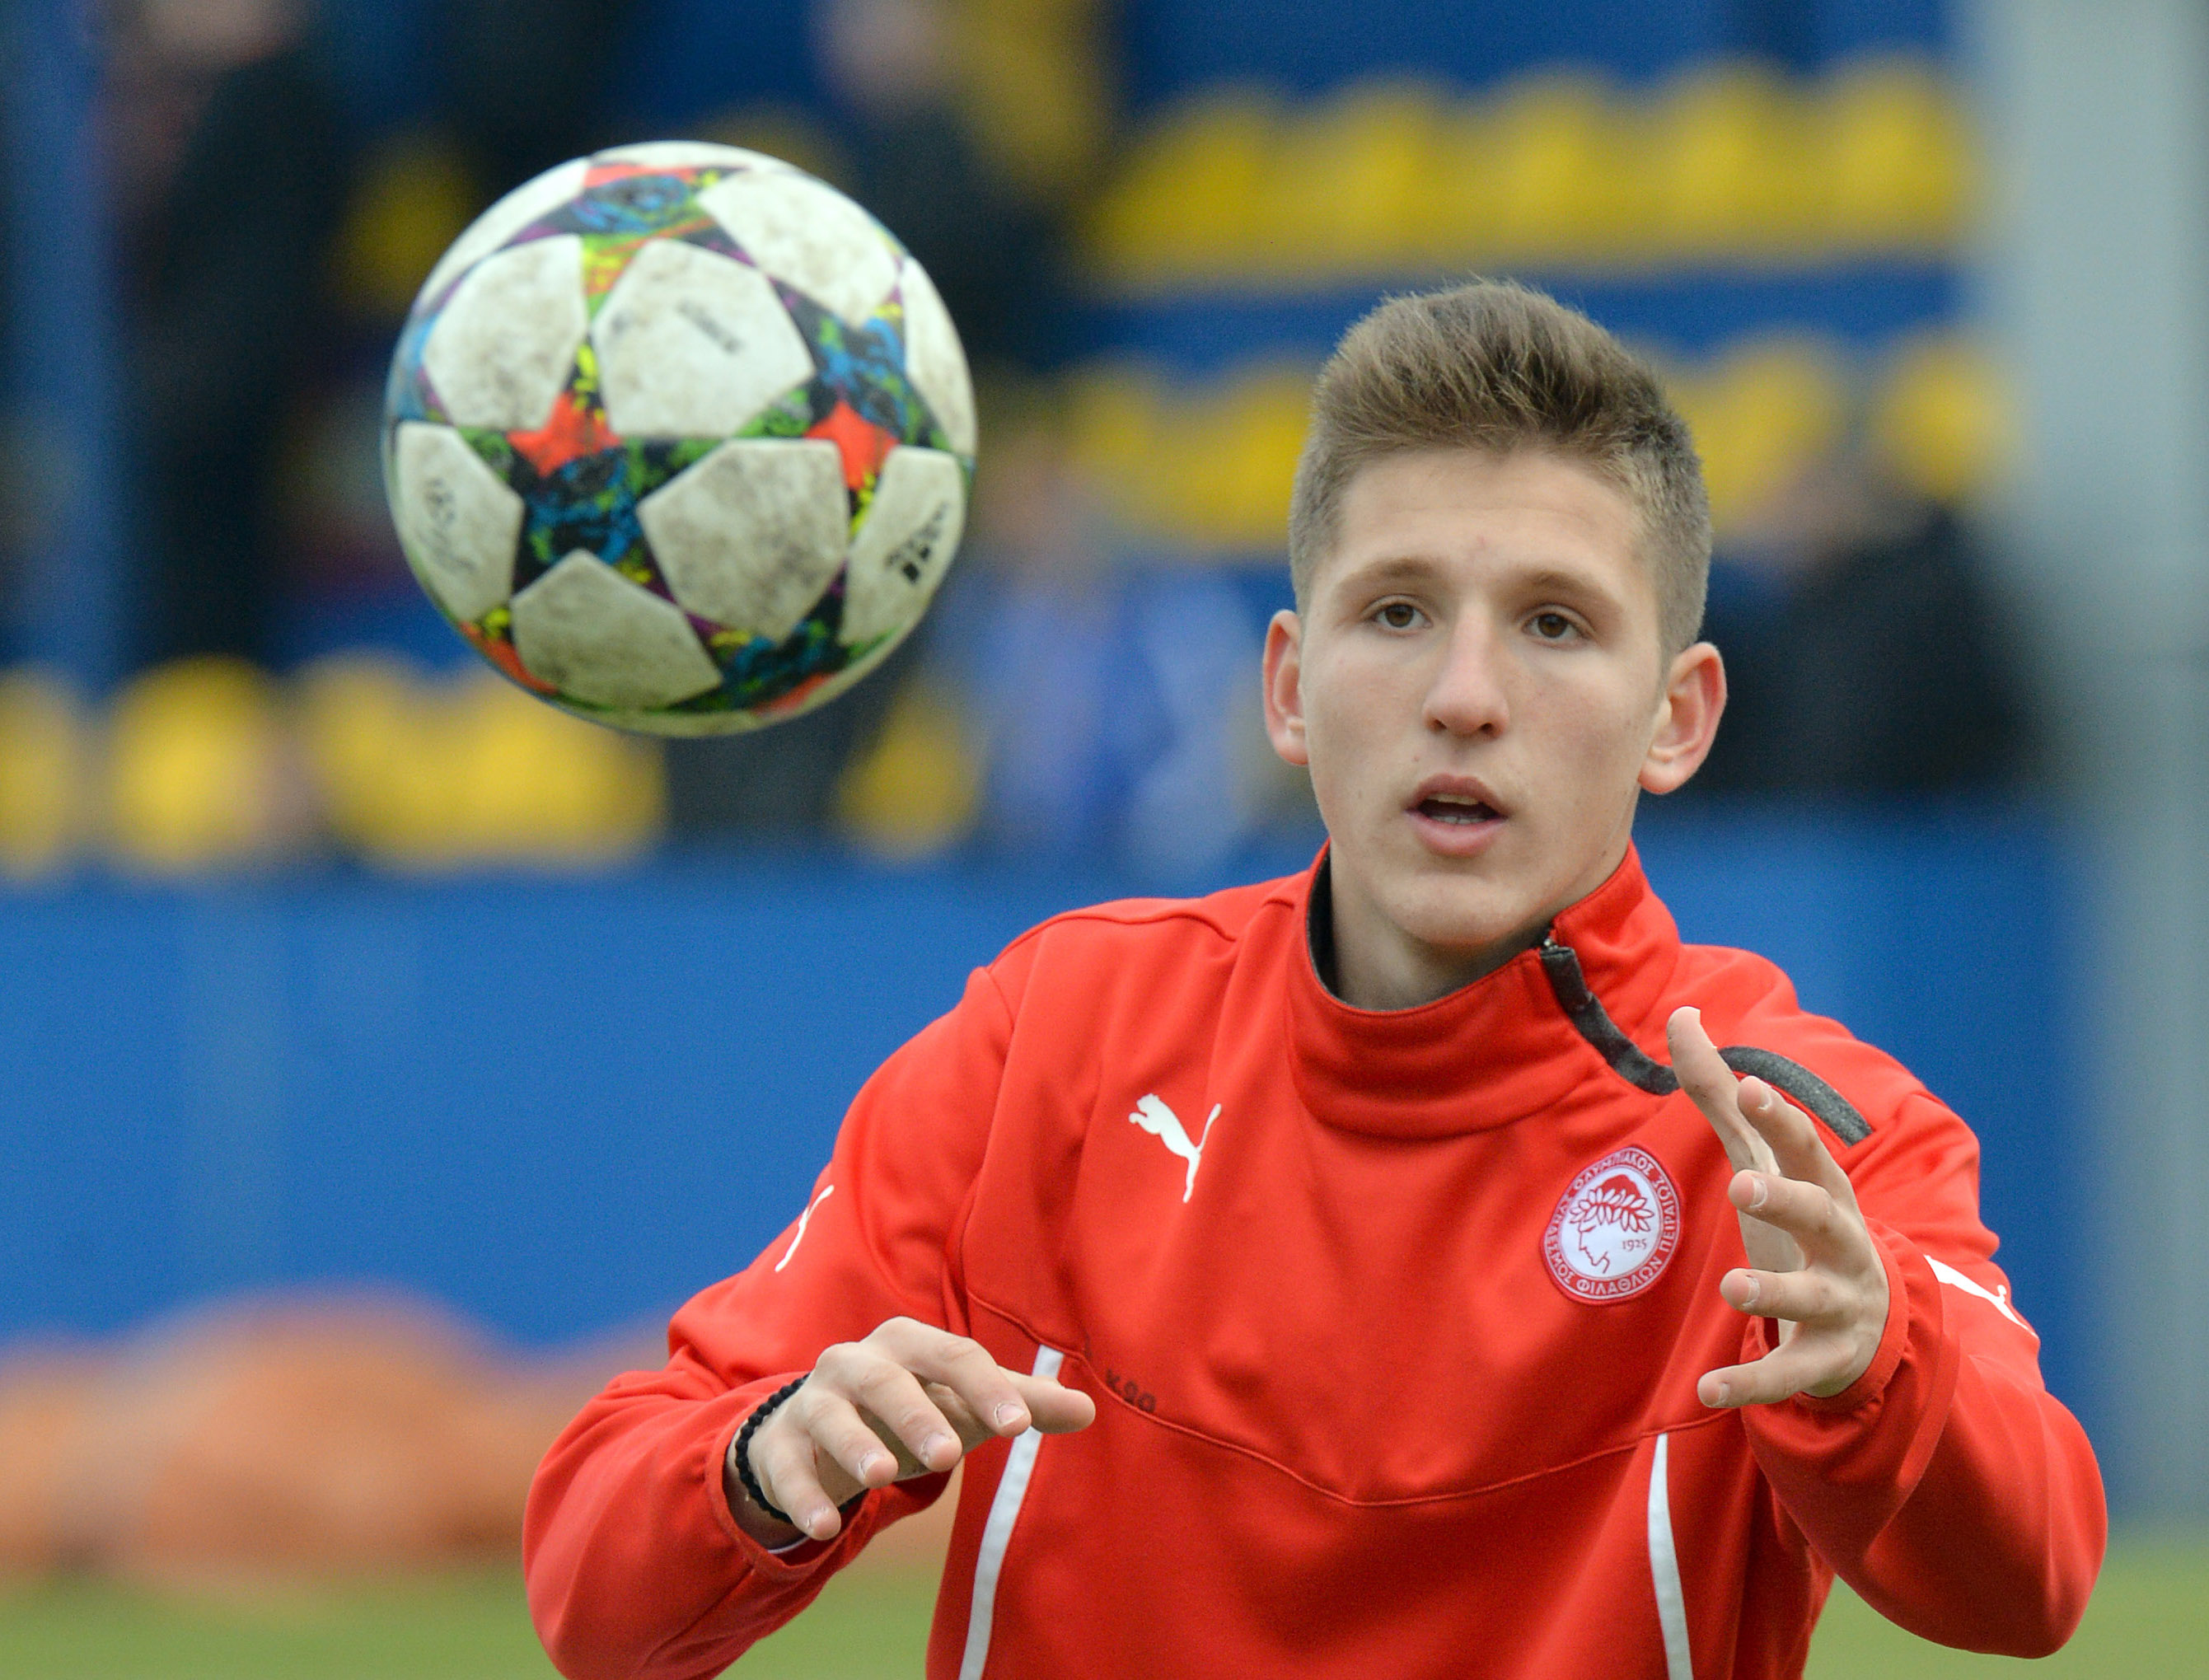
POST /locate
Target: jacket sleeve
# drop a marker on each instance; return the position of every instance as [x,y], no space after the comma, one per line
[635,1566]
[1947,1485]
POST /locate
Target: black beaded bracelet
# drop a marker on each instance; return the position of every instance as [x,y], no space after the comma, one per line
[740,1451]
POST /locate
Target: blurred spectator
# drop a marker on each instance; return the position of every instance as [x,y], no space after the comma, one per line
[1112,697]
[911,160]
[783,784]
[902,149]
[521,82]
[1864,651]
[1041,629]
[15,491]
[235,170]
[231,170]
[1216,782]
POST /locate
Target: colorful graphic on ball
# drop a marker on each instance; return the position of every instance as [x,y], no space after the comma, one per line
[679,438]
[1614,1228]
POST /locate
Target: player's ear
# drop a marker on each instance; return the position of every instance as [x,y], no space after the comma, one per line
[1285,698]
[1687,718]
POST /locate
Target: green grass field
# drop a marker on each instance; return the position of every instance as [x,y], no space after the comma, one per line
[2150,1618]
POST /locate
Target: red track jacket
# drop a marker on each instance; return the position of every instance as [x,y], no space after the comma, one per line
[1393,1321]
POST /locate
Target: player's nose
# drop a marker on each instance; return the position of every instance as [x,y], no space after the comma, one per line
[1468,695]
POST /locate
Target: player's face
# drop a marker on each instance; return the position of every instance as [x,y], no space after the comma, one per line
[1478,683]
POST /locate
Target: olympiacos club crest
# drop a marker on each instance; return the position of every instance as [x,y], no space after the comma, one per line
[1615,1229]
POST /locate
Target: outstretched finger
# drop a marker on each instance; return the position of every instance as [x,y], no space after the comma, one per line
[989,1392]
[783,1464]
[1798,1297]
[1715,1089]
[1054,1408]
[905,1416]
[1809,1213]
[970,1429]
[866,1449]
[1804,1366]
[1793,1139]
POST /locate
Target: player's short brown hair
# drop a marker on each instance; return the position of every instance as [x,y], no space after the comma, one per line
[1495,366]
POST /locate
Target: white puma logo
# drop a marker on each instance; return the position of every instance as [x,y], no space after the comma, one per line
[1164,1124]
[1949,1275]
[803,1220]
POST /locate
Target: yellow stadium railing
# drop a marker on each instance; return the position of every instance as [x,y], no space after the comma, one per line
[1206,469]
[210,764]
[1730,164]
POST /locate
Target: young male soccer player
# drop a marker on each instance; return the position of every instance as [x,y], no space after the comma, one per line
[1342,1275]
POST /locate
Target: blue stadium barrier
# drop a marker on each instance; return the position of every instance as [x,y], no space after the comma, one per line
[560,1106]
[1863,305]
[1169,46]
[687,61]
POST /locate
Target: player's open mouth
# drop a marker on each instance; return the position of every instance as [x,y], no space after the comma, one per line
[1455,816]
[1446,808]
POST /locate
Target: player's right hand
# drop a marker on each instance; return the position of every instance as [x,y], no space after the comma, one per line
[910,1400]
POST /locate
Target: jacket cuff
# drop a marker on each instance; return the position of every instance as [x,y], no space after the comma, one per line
[789,1563]
[1893,1336]
[1843,1466]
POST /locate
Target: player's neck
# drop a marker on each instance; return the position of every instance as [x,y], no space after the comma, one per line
[1402,974]
[1369,963]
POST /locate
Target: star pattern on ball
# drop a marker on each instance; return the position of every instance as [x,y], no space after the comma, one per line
[580,482]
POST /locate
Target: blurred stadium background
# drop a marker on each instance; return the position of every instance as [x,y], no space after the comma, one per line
[385,1054]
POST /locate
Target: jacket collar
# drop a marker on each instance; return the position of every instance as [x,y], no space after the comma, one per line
[1492,1052]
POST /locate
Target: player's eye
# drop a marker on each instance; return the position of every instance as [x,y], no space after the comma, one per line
[1553,626]
[1399,615]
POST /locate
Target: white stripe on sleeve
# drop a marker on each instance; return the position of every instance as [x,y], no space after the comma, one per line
[1665,1569]
[998,1531]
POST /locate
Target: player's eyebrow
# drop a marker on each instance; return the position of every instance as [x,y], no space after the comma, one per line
[1387,569]
[1576,585]
[1573,585]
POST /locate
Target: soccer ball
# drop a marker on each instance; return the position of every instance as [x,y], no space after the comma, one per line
[679,438]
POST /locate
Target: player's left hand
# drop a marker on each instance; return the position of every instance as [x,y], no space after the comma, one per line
[1813,1265]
